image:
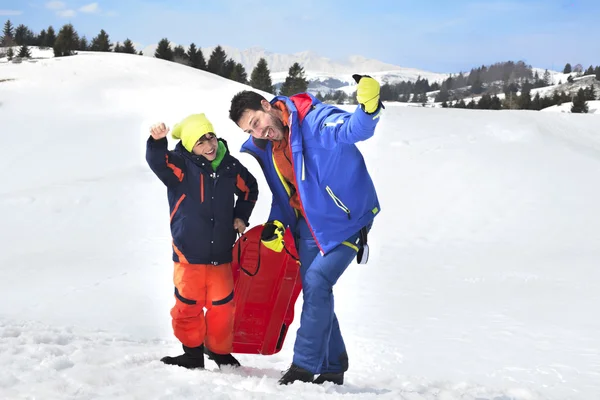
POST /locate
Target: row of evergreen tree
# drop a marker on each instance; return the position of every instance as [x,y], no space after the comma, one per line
[67,42]
[514,77]
[524,101]
[506,76]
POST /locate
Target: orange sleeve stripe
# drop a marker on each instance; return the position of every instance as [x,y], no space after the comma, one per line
[182,258]
[177,206]
[176,170]
[241,184]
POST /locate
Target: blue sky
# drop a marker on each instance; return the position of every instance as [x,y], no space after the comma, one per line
[435,35]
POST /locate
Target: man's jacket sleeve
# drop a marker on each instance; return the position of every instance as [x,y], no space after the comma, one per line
[337,126]
[168,166]
[247,193]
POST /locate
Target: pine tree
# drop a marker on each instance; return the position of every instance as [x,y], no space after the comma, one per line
[476,87]
[8,34]
[568,69]
[118,48]
[66,42]
[536,103]
[50,37]
[579,103]
[128,47]
[41,38]
[217,60]
[295,82]
[485,102]
[163,50]
[24,52]
[597,71]
[442,96]
[180,56]
[590,93]
[496,103]
[239,74]
[83,44]
[101,42]
[525,97]
[196,57]
[10,54]
[228,68]
[590,71]
[261,77]
[24,35]
[547,78]
[20,33]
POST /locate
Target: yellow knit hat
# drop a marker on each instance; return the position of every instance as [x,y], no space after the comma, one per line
[191,129]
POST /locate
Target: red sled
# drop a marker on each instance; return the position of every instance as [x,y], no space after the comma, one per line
[266,286]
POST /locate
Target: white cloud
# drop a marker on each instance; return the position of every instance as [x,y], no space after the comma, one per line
[66,13]
[90,8]
[56,5]
[11,12]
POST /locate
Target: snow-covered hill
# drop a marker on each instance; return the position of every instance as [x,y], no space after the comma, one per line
[481,285]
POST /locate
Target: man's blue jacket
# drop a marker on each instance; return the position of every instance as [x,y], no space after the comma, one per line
[336,191]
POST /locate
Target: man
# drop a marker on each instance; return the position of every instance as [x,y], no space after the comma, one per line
[323,192]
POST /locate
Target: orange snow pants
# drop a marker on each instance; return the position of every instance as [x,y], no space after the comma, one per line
[200,286]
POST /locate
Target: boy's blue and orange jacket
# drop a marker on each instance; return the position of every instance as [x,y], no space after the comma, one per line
[202,201]
[336,192]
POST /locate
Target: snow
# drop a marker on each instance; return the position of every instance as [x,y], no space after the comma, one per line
[482,284]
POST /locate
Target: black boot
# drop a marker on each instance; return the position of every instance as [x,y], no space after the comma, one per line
[335,377]
[222,359]
[296,373]
[192,357]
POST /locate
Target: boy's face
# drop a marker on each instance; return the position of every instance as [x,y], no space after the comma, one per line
[262,124]
[206,146]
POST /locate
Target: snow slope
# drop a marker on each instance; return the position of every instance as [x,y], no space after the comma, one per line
[482,283]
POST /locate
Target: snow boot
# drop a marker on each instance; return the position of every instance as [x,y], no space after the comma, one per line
[296,373]
[192,357]
[334,377]
[226,360]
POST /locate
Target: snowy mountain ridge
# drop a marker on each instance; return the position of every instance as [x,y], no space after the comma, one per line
[317,67]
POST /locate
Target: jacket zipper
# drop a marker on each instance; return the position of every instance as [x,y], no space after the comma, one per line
[339,203]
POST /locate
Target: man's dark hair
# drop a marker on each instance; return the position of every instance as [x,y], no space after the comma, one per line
[243,101]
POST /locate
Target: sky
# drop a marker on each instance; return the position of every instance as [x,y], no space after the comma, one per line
[434,35]
[482,280]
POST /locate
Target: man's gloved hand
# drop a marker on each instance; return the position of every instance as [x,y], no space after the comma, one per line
[367,92]
[272,235]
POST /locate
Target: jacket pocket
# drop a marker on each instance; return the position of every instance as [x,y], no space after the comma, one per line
[177,206]
[338,202]
[201,188]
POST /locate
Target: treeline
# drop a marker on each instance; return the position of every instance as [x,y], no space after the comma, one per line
[504,77]
[68,42]
[524,101]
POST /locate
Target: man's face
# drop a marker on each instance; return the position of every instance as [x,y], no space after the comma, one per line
[263,124]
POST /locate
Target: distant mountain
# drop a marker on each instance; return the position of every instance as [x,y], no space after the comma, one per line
[323,73]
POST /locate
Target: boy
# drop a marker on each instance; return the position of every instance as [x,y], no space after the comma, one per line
[202,179]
